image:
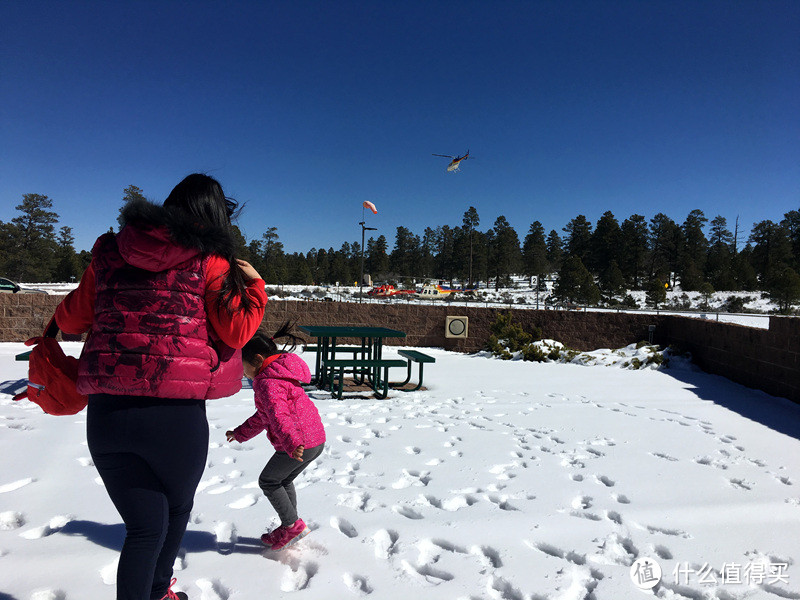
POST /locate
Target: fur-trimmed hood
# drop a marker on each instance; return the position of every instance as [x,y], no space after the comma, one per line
[156,238]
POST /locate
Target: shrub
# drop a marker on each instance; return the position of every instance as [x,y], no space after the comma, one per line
[735,304]
[514,336]
[629,301]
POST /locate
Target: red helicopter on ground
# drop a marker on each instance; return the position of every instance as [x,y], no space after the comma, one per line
[456,160]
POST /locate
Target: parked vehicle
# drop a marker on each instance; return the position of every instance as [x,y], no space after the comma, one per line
[8,287]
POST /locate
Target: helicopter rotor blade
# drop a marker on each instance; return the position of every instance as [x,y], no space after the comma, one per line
[444,155]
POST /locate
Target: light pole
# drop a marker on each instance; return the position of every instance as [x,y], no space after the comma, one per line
[361,279]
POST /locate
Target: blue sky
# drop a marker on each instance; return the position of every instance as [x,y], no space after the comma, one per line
[303,110]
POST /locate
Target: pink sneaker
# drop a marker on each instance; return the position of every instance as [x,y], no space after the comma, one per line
[269,538]
[286,536]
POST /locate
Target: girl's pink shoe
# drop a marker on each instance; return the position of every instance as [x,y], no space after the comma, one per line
[286,536]
[269,538]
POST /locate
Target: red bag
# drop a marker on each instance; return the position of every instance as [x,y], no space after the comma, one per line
[52,376]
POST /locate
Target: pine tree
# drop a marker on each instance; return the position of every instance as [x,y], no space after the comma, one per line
[665,240]
[555,251]
[274,258]
[575,283]
[405,248]
[506,255]
[783,287]
[534,252]
[33,240]
[68,266]
[470,223]
[719,261]
[772,249]
[578,241]
[791,223]
[605,243]
[340,265]
[612,282]
[692,251]
[129,194]
[378,257]
[634,250]
[656,292]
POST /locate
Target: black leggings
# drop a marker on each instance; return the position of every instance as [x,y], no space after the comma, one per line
[151,454]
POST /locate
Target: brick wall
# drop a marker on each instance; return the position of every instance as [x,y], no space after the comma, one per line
[759,358]
[765,359]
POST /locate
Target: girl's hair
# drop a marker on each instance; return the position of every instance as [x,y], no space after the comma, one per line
[201,197]
[264,344]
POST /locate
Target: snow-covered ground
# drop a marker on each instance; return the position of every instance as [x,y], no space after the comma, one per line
[504,480]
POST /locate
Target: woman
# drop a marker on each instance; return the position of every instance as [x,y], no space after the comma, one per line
[167,306]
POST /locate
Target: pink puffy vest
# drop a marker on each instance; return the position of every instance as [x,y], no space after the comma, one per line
[150,335]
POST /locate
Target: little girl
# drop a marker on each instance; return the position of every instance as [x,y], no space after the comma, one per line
[292,424]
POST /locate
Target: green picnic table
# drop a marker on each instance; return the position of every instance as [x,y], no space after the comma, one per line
[371,340]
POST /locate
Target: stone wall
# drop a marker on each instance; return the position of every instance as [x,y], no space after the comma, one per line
[759,358]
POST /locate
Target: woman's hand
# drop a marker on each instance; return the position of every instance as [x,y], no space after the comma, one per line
[298,453]
[247,269]
[229,435]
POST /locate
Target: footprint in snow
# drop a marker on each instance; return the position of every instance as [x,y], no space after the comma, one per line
[782,478]
[602,479]
[49,595]
[225,534]
[221,489]
[500,589]
[15,485]
[672,532]
[385,541]
[357,501]
[296,579]
[11,519]
[664,456]
[426,574]
[212,590]
[109,573]
[55,525]
[356,583]
[551,550]
[244,502]
[741,484]
[581,502]
[408,513]
[488,556]
[409,478]
[344,527]
[216,480]
[501,502]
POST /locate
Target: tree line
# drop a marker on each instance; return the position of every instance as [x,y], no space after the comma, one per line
[590,263]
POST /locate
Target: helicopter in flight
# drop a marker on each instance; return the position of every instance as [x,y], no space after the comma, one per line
[455,162]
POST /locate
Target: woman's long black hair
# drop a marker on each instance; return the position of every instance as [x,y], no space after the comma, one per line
[202,198]
[264,344]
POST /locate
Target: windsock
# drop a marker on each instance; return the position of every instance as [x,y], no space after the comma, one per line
[371,206]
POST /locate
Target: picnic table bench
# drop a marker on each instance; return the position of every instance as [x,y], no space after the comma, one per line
[418,357]
[338,366]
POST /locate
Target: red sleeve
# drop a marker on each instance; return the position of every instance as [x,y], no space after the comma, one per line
[75,312]
[236,327]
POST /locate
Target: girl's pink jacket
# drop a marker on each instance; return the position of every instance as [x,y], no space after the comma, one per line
[283,409]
